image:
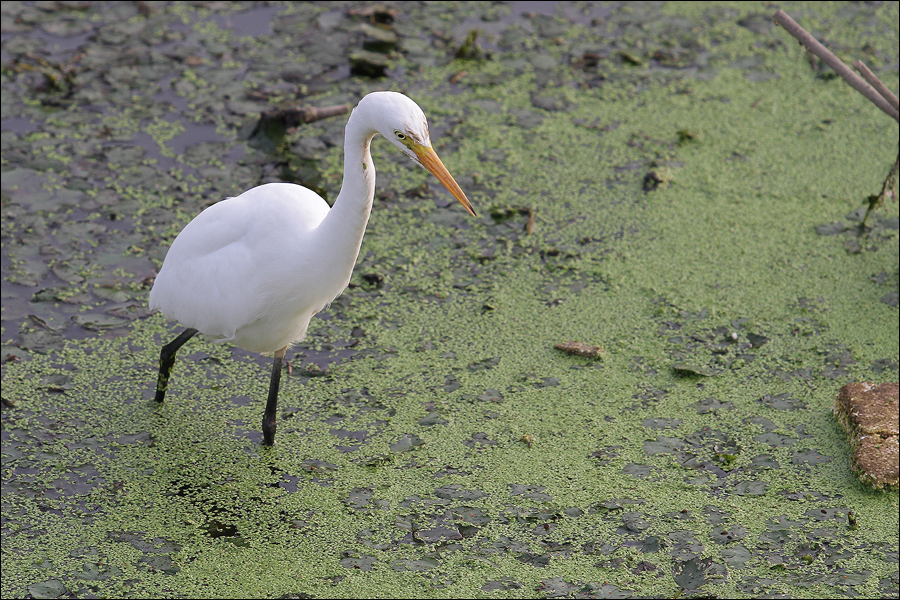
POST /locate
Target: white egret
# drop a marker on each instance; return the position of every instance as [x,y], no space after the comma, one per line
[253,270]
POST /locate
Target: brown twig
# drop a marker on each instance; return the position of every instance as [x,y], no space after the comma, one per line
[580,349]
[275,122]
[888,190]
[876,83]
[835,63]
[311,113]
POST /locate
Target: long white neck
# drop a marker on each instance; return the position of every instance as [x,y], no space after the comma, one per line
[341,232]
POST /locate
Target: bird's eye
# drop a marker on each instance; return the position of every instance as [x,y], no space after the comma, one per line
[400,135]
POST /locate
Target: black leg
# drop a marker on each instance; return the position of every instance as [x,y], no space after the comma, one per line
[268,423]
[167,361]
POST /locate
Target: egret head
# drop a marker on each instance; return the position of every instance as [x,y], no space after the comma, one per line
[402,122]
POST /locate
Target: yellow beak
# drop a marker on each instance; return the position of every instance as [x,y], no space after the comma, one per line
[430,160]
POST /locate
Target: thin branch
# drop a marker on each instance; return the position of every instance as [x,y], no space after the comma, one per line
[888,190]
[835,63]
[311,113]
[275,122]
[876,83]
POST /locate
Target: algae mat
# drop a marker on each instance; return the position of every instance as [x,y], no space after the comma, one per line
[675,183]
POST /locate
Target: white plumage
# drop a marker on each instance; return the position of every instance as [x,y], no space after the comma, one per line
[252,270]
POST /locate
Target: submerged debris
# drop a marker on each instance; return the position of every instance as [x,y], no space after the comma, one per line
[502,213]
[365,63]
[656,178]
[470,49]
[580,349]
[275,123]
[380,39]
[868,412]
[377,14]
[693,368]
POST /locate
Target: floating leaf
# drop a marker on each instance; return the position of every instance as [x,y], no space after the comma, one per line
[693,369]
[362,562]
[455,492]
[664,445]
[432,418]
[737,556]
[359,498]
[98,322]
[692,574]
[54,588]
[503,584]
[809,457]
[417,564]
[407,442]
[751,488]
[775,439]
